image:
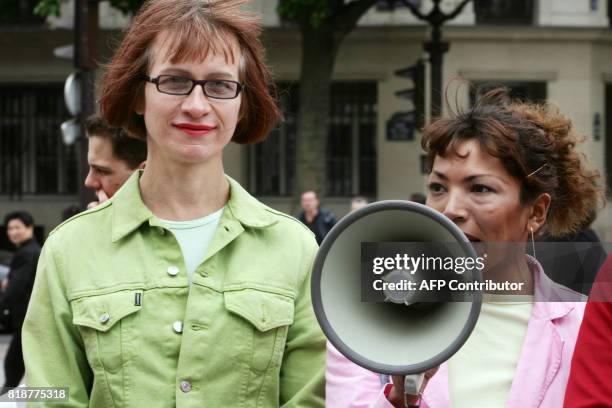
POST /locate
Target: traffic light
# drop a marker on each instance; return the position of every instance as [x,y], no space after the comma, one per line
[71,129]
[417,93]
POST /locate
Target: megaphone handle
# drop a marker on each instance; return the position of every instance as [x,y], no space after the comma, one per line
[412,385]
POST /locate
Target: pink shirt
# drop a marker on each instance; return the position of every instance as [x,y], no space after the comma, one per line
[541,373]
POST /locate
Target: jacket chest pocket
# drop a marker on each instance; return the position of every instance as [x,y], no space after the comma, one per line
[268,317]
[107,325]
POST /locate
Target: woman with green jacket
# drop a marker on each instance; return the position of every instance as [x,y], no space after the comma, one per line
[182,290]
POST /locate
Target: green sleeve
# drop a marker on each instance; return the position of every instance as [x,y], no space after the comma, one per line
[302,382]
[52,346]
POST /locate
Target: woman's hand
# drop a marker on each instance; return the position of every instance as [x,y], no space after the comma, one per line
[396,396]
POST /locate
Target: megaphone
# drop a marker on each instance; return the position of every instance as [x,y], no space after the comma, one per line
[387,337]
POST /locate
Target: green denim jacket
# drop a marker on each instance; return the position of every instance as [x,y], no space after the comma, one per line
[111,319]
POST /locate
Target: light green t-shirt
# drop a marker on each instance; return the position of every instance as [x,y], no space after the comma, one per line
[194,238]
[481,373]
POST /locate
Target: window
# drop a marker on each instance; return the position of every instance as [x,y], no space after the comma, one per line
[33,159]
[351,149]
[528,91]
[511,12]
[272,161]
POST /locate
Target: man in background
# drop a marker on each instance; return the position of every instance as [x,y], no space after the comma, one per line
[16,290]
[112,157]
[318,219]
[358,202]
[418,198]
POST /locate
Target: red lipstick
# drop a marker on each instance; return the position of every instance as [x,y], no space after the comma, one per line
[471,237]
[194,130]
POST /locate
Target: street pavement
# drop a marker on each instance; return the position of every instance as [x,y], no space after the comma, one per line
[5,339]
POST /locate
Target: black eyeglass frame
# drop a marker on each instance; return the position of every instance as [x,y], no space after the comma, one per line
[194,83]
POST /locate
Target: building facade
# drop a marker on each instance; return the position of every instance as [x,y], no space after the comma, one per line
[560,50]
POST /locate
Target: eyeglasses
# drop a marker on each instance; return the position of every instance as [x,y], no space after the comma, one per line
[215,88]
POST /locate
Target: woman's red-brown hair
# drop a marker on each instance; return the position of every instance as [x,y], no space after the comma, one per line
[536,144]
[195,28]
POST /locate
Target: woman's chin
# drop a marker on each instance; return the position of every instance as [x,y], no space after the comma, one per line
[197,154]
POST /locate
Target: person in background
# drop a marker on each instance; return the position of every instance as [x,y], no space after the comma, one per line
[358,202]
[418,198]
[574,258]
[589,384]
[17,289]
[112,157]
[71,211]
[318,219]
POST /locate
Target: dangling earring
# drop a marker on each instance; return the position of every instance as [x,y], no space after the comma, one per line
[532,242]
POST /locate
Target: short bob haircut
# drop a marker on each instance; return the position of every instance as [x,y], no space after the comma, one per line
[536,145]
[196,28]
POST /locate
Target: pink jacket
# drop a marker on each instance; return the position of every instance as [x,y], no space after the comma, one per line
[541,374]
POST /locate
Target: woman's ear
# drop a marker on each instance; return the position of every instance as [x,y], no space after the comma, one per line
[539,210]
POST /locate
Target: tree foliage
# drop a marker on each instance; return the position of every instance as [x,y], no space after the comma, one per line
[340,16]
[313,11]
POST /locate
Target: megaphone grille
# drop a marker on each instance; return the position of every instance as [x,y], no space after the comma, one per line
[387,337]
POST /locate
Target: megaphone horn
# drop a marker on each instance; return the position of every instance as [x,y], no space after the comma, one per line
[396,336]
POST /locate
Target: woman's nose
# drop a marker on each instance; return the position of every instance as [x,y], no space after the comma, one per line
[196,103]
[455,208]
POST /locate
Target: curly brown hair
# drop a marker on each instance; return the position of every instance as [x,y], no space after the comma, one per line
[536,145]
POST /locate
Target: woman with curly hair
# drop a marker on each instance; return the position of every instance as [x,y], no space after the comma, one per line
[503,171]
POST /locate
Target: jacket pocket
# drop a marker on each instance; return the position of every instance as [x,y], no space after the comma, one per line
[269,315]
[106,323]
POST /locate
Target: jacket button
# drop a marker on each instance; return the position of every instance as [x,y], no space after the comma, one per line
[185,386]
[105,317]
[173,270]
[177,326]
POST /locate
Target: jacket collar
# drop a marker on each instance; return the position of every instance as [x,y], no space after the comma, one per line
[541,352]
[129,212]
[27,242]
[551,300]
[246,209]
